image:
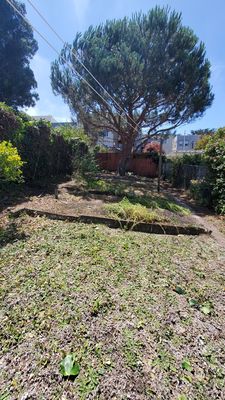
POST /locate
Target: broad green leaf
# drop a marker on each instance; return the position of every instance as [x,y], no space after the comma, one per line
[186,365]
[4,396]
[193,303]
[179,290]
[206,309]
[69,367]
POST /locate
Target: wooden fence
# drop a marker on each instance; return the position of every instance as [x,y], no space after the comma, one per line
[139,166]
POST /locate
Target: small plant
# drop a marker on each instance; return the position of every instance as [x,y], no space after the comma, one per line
[100,306]
[69,367]
[206,307]
[89,382]
[186,365]
[164,361]
[131,349]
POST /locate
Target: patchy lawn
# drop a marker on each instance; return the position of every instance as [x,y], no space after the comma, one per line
[143,314]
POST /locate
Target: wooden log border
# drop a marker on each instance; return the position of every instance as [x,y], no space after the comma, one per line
[155,228]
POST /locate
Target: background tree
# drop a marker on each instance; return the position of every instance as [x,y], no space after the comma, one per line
[202,132]
[202,142]
[152,65]
[17,47]
[205,136]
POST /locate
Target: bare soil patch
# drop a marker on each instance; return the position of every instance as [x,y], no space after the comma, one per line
[76,198]
[201,215]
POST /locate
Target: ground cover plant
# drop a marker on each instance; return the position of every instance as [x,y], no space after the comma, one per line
[129,315]
[132,212]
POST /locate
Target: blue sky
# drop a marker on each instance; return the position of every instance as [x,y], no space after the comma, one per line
[205,17]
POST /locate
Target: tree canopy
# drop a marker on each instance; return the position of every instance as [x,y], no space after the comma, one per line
[17,47]
[151,64]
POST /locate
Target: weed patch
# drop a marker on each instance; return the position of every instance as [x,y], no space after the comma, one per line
[126,210]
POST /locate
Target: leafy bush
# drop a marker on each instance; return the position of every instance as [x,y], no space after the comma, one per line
[201,192]
[10,163]
[178,167]
[215,158]
[202,142]
[152,146]
[69,132]
[36,149]
[151,150]
[45,151]
[9,122]
[86,164]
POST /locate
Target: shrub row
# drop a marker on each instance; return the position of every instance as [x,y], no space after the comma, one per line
[210,189]
[45,151]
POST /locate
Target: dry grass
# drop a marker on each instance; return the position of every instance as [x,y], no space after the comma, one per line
[132,307]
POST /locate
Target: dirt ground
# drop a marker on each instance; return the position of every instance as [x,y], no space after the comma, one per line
[74,199]
[202,215]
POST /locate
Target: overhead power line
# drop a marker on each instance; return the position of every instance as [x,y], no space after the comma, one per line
[63,58]
[80,62]
[53,48]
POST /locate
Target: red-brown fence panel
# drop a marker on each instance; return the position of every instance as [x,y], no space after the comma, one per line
[139,166]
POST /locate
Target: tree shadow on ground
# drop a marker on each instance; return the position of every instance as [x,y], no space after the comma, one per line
[12,194]
[130,180]
[154,202]
[10,234]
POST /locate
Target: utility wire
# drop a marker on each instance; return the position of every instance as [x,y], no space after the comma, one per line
[58,53]
[80,62]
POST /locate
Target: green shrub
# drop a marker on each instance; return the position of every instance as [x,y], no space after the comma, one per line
[10,123]
[178,177]
[202,142]
[70,132]
[215,158]
[86,164]
[46,152]
[201,192]
[10,163]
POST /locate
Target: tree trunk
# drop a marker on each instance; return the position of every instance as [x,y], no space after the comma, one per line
[125,156]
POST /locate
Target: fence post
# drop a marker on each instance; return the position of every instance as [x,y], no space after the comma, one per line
[160,165]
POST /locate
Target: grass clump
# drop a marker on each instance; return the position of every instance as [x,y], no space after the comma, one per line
[126,210]
[159,202]
[113,188]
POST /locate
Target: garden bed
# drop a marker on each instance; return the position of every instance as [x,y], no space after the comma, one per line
[121,203]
